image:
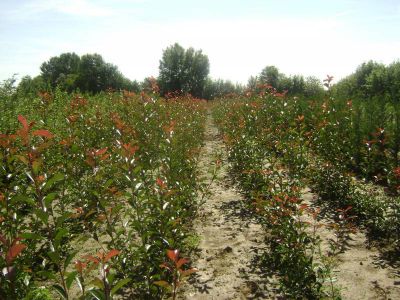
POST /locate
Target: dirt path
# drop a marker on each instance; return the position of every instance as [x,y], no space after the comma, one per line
[361,271]
[230,239]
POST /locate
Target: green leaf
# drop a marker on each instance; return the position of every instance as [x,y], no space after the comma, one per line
[98,283]
[110,278]
[69,258]
[53,180]
[70,278]
[98,294]
[62,218]
[46,274]
[54,257]
[22,199]
[74,148]
[108,183]
[137,170]
[60,290]
[163,284]
[31,236]
[44,217]
[119,285]
[49,198]
[60,234]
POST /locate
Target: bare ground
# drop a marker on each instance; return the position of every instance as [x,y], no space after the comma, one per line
[230,240]
[362,272]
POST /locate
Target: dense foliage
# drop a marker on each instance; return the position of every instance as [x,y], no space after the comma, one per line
[372,80]
[69,72]
[295,85]
[278,145]
[103,184]
[109,181]
[183,71]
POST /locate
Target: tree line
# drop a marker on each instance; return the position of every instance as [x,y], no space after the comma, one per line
[186,71]
[371,80]
[70,72]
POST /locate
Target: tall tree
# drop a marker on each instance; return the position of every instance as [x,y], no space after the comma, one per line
[313,87]
[89,73]
[58,67]
[270,75]
[183,70]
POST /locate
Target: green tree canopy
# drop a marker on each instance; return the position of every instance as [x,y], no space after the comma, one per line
[371,79]
[294,85]
[183,70]
[220,88]
[59,67]
[89,73]
[270,75]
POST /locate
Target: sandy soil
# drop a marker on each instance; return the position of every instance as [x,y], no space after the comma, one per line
[230,240]
[361,272]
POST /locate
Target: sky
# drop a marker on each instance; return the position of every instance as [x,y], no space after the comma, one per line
[240,38]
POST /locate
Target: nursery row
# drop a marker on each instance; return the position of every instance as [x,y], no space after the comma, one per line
[94,192]
[278,145]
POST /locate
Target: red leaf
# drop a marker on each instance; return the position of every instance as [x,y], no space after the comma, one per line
[43,133]
[3,239]
[111,254]
[100,151]
[129,149]
[92,259]
[173,255]
[181,262]
[90,161]
[24,122]
[80,266]
[188,272]
[104,157]
[166,266]
[303,206]
[161,183]
[14,251]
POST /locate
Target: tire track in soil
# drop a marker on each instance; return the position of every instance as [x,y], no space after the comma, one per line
[230,239]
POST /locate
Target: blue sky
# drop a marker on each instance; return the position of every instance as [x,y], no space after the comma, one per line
[240,37]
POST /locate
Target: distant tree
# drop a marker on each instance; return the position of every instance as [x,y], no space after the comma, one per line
[313,87]
[285,83]
[130,85]
[270,75]
[376,81]
[93,72]
[149,85]
[298,85]
[183,70]
[57,68]
[294,85]
[29,86]
[220,88]
[370,80]
[7,88]
[252,83]
[393,81]
[362,73]
[89,73]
